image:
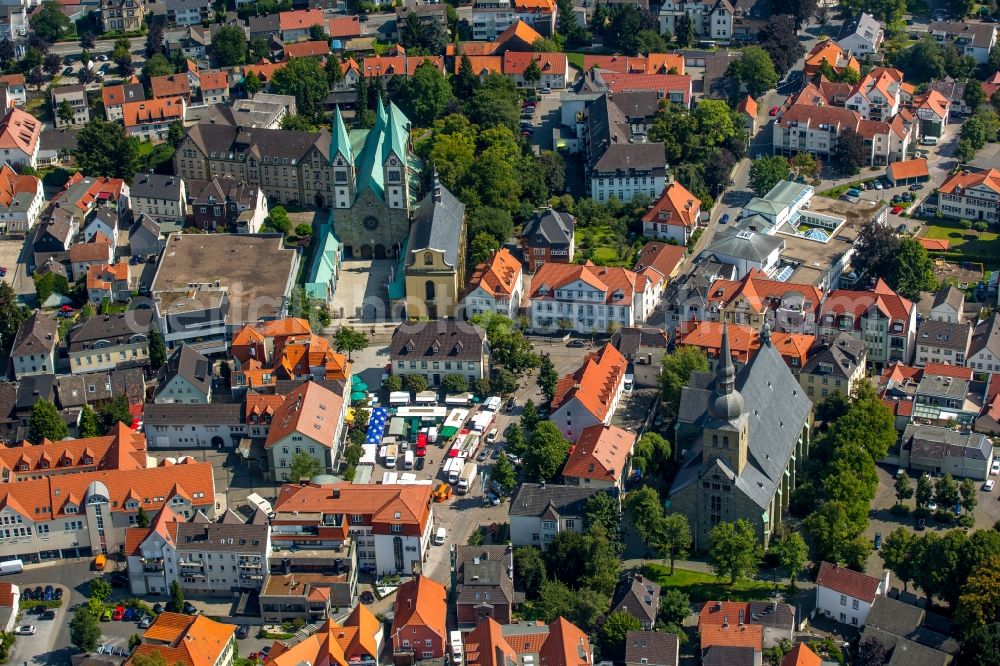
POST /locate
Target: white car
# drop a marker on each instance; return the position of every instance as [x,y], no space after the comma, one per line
[995,467]
[932,506]
[25,630]
[492,436]
[988,486]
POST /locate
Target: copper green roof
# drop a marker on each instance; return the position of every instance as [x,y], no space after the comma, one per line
[324,262]
[340,141]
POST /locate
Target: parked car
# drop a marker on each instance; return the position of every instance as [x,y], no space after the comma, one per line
[50,593]
[157,608]
[773,111]
[511,404]
[988,486]
[106,615]
[496,453]
[483,455]
[896,210]
[419,464]
[59,593]
[243,631]
[916,187]
[189,608]
[36,610]
[932,507]
[576,344]
[119,579]
[878,540]
[724,219]
[367,597]
[25,630]
[130,614]
[47,615]
[145,621]
[995,467]
[118,614]
[878,185]
[921,524]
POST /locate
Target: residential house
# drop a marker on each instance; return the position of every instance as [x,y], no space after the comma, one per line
[912,631]
[192,42]
[151,120]
[879,94]
[948,306]
[19,132]
[16,88]
[75,391]
[590,395]
[496,285]
[203,557]
[311,49]
[984,349]
[188,639]
[710,19]
[845,595]
[434,264]
[659,263]
[801,655]
[239,281]
[75,98]
[81,196]
[225,202]
[744,342]
[122,15]
[942,450]
[484,584]
[419,619]
[756,301]
[560,643]
[491,18]
[108,342]
[285,349]
[214,87]
[397,63]
[98,252]
[296,25]
[548,237]
[144,236]
[188,12]
[178,425]
[344,28]
[108,283]
[942,342]
[387,527]
[933,109]
[971,194]
[104,223]
[357,641]
[34,349]
[554,68]
[161,197]
[538,512]
[311,420]
[66,509]
[186,377]
[439,348]
[601,457]
[833,55]
[747,109]
[954,92]
[641,345]
[861,35]
[776,620]
[651,648]
[54,235]
[586,298]
[170,86]
[971,38]
[886,321]
[674,216]
[21,201]
[834,367]
[730,422]
[10,596]
[639,597]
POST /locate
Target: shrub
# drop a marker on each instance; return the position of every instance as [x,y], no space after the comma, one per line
[900,510]
[944,516]
[967,521]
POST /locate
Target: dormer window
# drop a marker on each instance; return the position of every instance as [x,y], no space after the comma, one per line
[435,347]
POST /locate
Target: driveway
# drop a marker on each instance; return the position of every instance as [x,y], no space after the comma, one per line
[50,643]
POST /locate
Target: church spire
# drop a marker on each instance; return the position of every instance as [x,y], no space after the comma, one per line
[726,403]
[340,141]
[725,371]
[380,114]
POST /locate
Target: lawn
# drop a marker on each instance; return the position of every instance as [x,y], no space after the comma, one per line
[600,245]
[966,241]
[575,60]
[840,190]
[701,587]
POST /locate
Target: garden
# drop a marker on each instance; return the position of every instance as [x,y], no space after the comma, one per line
[701,587]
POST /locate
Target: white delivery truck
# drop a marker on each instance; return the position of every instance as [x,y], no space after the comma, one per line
[456,648]
[432,434]
[11,567]
[390,457]
[408,460]
[466,478]
[258,502]
[456,469]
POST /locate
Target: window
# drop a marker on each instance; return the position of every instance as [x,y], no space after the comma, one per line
[854,604]
[843,600]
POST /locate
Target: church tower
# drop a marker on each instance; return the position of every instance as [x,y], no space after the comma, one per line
[395,149]
[725,435]
[342,160]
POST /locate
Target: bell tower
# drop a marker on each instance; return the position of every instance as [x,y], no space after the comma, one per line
[342,161]
[395,149]
[725,435]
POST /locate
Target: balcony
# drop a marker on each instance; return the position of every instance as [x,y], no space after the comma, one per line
[188,565]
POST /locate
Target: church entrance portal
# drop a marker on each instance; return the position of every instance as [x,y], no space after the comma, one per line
[320,201]
[366,251]
[380,252]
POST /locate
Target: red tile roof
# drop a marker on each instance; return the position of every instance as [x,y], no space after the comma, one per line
[333,643]
[676,206]
[344,27]
[601,453]
[481,64]
[214,80]
[748,105]
[310,410]
[516,63]
[847,582]
[881,297]
[909,169]
[732,635]
[934,244]
[561,643]
[595,383]
[948,370]
[963,180]
[6,595]
[661,83]
[191,641]
[301,19]
[607,279]
[420,602]
[12,184]
[263,70]
[20,131]
[171,85]
[664,258]
[498,276]
[163,109]
[801,655]
[379,502]
[305,50]
[762,293]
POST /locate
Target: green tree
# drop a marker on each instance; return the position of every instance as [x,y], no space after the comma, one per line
[647,513]
[482,248]
[515,440]
[305,79]
[453,384]
[780,40]
[832,531]
[251,84]
[141,518]
[154,39]
[868,423]
[946,492]
[650,41]
[495,103]
[45,423]
[755,70]
[504,474]
[792,552]
[974,96]
[49,22]
[897,553]
[651,453]
[392,383]
[157,349]
[981,645]
[913,269]
[529,416]
[532,73]
[114,411]
[466,81]
[349,340]
[766,172]
[153,658]
[12,315]
[925,491]
[530,567]
[903,489]
[49,283]
[493,221]
[104,148]
[851,151]
[89,426]
[733,550]
[675,372]
[84,629]
[134,641]
[547,378]
[969,493]
[100,590]
[304,466]
[229,44]
[176,603]
[546,454]
[673,537]
[684,31]
[581,607]
[65,112]
[426,95]
[415,383]
[158,65]
[452,155]
[805,165]
[603,510]
[611,635]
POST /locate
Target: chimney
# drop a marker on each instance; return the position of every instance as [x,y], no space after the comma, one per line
[741,616]
[336,493]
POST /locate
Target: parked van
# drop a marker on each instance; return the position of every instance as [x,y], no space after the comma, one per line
[929,140]
[439,536]
[408,460]
[456,648]
[11,567]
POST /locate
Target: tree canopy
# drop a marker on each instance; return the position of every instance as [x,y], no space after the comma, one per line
[104,148]
[305,79]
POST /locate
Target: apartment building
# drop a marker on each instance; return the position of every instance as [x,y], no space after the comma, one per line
[548,237]
[75,98]
[21,202]
[311,420]
[284,349]
[35,345]
[879,94]
[496,286]
[438,348]
[185,378]
[122,15]
[971,38]
[122,449]
[185,639]
[674,216]
[204,557]
[861,35]
[484,584]
[554,68]
[81,514]
[756,300]
[559,643]
[710,19]
[389,525]
[490,18]
[357,641]
[942,342]
[160,196]
[108,342]
[590,395]
[834,367]
[151,120]
[971,194]
[19,138]
[538,512]
[884,320]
